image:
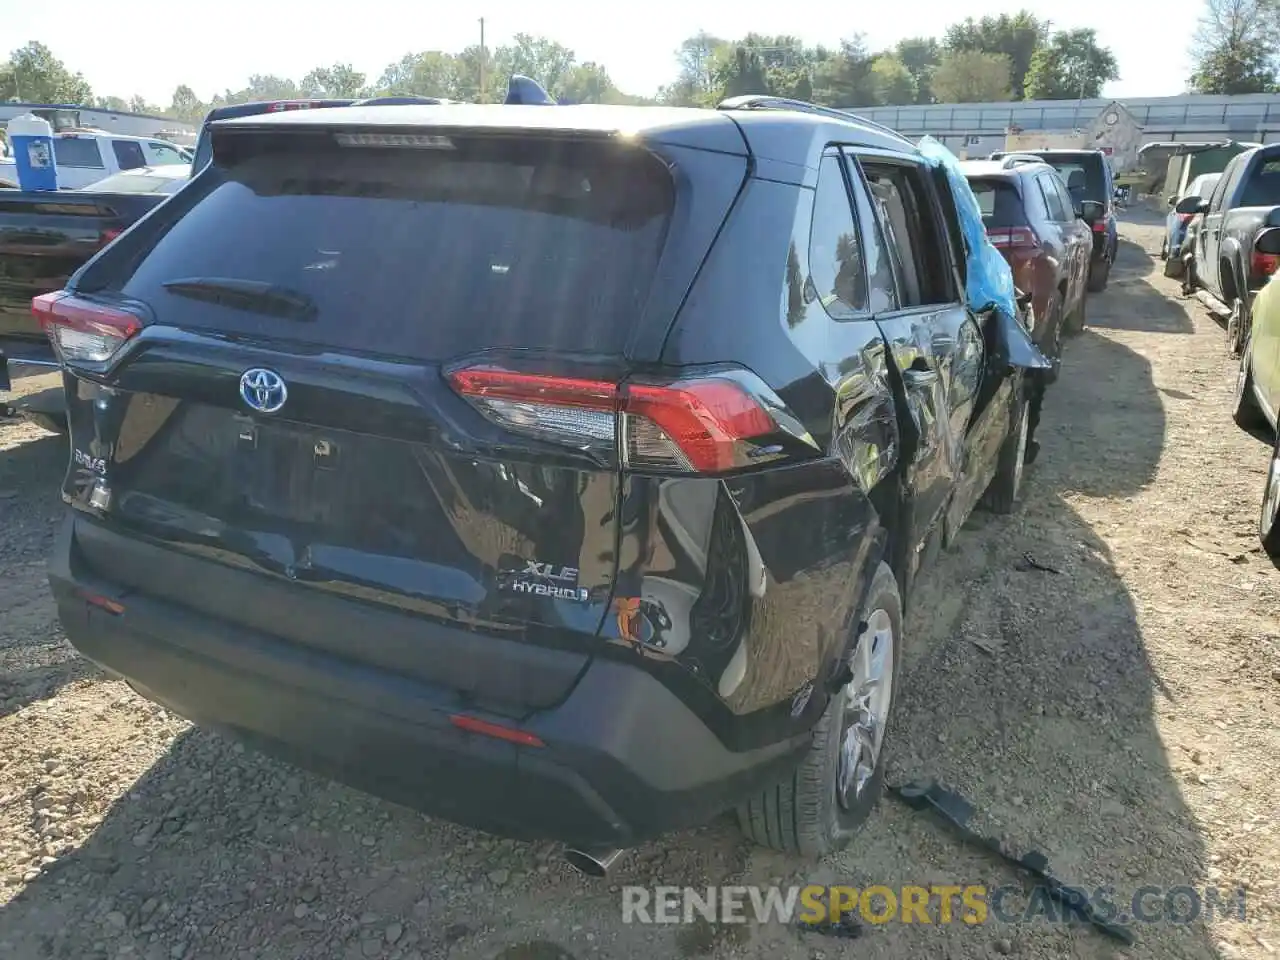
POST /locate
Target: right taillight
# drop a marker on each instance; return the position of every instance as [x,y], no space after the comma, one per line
[1013,238]
[1265,264]
[83,331]
[704,424]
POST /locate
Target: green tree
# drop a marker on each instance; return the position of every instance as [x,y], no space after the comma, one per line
[185,105]
[1070,65]
[694,81]
[339,80]
[111,103]
[34,75]
[1234,47]
[739,71]
[893,81]
[920,56]
[843,78]
[431,73]
[967,76]
[1017,37]
[586,83]
[139,104]
[544,60]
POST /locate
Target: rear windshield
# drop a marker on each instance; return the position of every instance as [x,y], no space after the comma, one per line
[426,253]
[1001,206]
[1263,186]
[1093,186]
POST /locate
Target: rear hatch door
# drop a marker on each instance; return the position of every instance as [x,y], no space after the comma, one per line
[287,410]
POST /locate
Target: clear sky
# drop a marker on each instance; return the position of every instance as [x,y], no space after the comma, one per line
[140,48]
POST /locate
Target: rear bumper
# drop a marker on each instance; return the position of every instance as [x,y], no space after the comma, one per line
[624,759]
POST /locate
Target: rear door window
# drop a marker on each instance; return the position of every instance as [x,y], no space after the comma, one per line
[907,217]
[128,154]
[77,152]
[1263,186]
[1053,203]
[426,253]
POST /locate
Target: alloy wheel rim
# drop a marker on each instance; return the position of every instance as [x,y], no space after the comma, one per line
[1270,497]
[1020,460]
[869,695]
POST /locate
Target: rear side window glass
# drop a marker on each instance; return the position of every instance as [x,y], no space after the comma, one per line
[1000,204]
[128,154]
[1263,187]
[835,256]
[77,152]
[1068,207]
[881,292]
[426,253]
[1052,202]
[910,227]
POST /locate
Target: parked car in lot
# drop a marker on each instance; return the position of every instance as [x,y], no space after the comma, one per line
[1177,225]
[1257,395]
[44,238]
[1087,174]
[1228,268]
[511,494]
[1030,219]
[86,156]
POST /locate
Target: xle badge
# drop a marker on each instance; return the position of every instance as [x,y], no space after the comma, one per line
[544,580]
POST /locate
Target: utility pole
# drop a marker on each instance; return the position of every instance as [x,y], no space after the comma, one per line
[482,100]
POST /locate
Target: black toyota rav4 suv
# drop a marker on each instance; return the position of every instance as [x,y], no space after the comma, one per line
[557,471]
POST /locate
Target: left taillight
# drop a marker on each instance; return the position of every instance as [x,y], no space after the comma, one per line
[704,424]
[83,331]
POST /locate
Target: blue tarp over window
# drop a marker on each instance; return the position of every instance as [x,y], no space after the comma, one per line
[988,278]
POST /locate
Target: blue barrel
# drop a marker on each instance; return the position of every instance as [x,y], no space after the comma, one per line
[32,140]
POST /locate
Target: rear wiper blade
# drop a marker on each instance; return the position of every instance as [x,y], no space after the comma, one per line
[254,296]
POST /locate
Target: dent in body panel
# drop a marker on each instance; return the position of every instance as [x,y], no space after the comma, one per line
[748,584]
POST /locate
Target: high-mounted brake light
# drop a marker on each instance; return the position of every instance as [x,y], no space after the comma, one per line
[704,424]
[82,331]
[1013,238]
[420,141]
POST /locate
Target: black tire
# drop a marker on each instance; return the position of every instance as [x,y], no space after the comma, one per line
[1174,268]
[1269,518]
[803,814]
[1073,324]
[1005,488]
[1164,249]
[1244,408]
[1099,273]
[1238,327]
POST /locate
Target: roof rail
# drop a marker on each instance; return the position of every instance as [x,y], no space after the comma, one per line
[756,101]
[1011,160]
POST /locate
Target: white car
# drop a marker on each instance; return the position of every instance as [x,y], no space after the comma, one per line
[85,156]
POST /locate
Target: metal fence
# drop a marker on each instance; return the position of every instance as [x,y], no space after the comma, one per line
[1236,114]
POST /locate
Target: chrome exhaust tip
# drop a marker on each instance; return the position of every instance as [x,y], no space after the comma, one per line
[592,863]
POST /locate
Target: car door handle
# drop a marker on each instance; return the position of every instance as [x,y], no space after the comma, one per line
[917,379]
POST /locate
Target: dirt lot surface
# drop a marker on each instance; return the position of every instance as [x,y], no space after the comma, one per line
[1121,714]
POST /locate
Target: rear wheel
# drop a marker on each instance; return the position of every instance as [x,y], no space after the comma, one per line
[1244,408]
[1099,273]
[1173,267]
[1006,486]
[1074,322]
[1237,327]
[1269,519]
[821,806]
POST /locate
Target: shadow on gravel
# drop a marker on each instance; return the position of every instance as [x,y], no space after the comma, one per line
[35,661]
[1132,303]
[1032,691]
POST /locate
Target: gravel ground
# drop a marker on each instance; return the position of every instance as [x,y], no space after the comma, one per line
[1119,714]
